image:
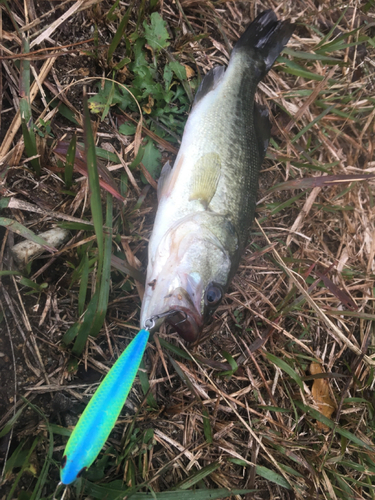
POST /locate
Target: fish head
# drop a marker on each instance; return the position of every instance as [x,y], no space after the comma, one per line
[187,276]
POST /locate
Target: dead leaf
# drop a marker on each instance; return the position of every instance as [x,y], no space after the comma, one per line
[147,108]
[189,71]
[321,395]
[106,180]
[343,297]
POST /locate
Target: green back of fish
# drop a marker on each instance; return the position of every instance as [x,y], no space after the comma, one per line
[236,129]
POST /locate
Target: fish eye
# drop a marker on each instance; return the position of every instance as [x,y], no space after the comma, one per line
[63,461]
[213,295]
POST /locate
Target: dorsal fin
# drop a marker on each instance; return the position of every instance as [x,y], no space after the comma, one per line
[209,82]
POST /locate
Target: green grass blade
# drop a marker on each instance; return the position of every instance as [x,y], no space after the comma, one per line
[119,32]
[25,110]
[207,429]
[124,62]
[43,475]
[329,423]
[77,273]
[30,143]
[16,459]
[349,492]
[340,43]
[274,408]
[23,231]
[143,378]
[31,284]
[290,470]
[198,476]
[231,361]
[109,101]
[106,155]
[92,169]
[310,56]
[272,476]
[76,226]
[69,164]
[184,378]
[123,266]
[83,285]
[95,313]
[8,426]
[286,368]
[25,107]
[25,465]
[176,350]
[312,123]
[85,326]
[105,277]
[331,31]
[60,431]
[116,492]
[277,207]
[71,333]
[81,329]
[351,314]
[293,68]
[4,202]
[10,273]
[110,15]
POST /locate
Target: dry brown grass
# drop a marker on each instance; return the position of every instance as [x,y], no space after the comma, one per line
[303,293]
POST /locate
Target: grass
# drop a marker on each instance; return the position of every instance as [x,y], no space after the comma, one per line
[236,411]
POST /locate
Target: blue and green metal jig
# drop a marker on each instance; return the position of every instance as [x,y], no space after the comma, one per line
[101,413]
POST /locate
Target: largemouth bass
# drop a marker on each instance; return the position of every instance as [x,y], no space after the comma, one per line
[207,201]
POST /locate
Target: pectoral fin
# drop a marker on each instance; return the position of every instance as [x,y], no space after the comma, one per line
[164,177]
[205,179]
[168,178]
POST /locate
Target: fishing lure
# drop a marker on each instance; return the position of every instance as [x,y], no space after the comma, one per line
[101,413]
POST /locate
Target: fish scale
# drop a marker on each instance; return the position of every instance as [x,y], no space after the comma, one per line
[207,201]
[236,193]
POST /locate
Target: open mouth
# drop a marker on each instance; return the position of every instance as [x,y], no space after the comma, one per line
[187,324]
[183,320]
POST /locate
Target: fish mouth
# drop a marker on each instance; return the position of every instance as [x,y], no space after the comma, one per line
[180,310]
[178,301]
[187,323]
[187,320]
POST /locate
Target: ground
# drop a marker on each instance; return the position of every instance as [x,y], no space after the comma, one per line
[277,397]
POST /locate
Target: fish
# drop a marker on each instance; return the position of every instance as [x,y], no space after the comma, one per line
[100,415]
[206,202]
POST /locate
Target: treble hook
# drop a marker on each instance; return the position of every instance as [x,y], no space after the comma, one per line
[150,322]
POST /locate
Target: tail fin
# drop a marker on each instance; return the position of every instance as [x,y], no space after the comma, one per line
[265,37]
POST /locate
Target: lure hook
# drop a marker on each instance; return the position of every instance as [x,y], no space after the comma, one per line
[150,322]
